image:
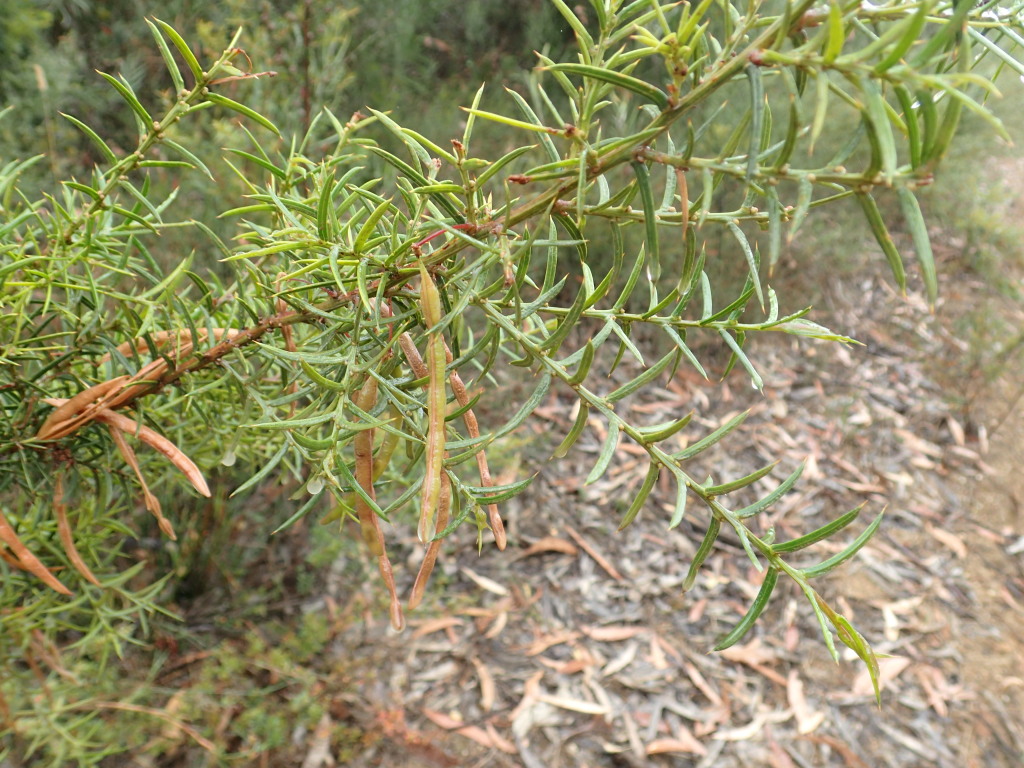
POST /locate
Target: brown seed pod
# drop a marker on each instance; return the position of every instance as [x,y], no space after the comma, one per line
[155,440]
[430,305]
[419,369]
[397,619]
[684,200]
[152,502]
[162,339]
[64,414]
[27,560]
[430,556]
[385,451]
[365,399]
[412,356]
[473,427]
[60,510]
[152,439]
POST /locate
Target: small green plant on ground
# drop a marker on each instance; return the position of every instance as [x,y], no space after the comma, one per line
[351,331]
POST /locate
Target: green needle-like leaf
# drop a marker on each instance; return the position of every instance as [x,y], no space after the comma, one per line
[922,241]
[846,554]
[637,86]
[764,594]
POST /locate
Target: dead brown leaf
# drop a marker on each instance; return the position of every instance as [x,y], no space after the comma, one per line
[541,644]
[948,539]
[612,634]
[548,544]
[430,626]
[487,687]
[685,743]
[473,732]
[807,718]
[600,559]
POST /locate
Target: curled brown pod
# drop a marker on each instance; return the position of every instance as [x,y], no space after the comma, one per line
[365,399]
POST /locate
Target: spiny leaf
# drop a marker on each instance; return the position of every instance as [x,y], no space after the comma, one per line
[846,554]
[643,181]
[637,86]
[168,57]
[820,534]
[575,431]
[242,109]
[714,437]
[771,578]
[108,153]
[710,536]
[743,482]
[183,49]
[922,242]
[129,96]
[883,238]
[611,442]
[653,472]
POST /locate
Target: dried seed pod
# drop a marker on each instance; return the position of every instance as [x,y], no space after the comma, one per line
[67,409]
[64,531]
[148,375]
[684,200]
[473,427]
[412,356]
[10,559]
[152,439]
[397,619]
[151,501]
[419,369]
[27,560]
[386,450]
[155,440]
[430,556]
[365,399]
[436,399]
[162,339]
[430,299]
